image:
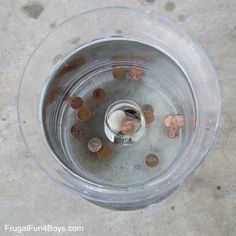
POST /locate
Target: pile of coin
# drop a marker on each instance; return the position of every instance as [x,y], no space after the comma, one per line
[173,123]
[95,145]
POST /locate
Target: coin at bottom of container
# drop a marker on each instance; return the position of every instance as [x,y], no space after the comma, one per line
[104,153]
[53,94]
[149,117]
[135,73]
[127,127]
[151,160]
[118,73]
[168,120]
[99,95]
[172,132]
[147,107]
[95,144]
[76,102]
[76,131]
[178,120]
[84,113]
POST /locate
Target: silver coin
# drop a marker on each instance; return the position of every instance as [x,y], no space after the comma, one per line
[94,144]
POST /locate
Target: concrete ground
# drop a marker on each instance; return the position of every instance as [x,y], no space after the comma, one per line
[205,205]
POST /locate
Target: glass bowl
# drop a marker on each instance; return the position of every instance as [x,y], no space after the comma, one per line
[124,59]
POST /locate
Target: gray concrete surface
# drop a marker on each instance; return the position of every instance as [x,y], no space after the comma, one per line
[206,205]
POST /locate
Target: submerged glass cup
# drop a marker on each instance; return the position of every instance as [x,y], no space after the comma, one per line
[82,55]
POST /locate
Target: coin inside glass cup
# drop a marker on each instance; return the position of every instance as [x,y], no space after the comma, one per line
[133,114]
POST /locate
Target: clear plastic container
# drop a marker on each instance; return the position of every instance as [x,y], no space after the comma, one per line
[80,56]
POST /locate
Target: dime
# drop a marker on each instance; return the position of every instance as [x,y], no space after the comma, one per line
[94,144]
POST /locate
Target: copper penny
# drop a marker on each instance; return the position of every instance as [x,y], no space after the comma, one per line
[178,120]
[76,102]
[76,62]
[84,113]
[168,120]
[76,130]
[127,127]
[71,65]
[117,60]
[147,107]
[104,153]
[94,144]
[135,73]
[172,132]
[138,59]
[151,160]
[118,73]
[99,95]
[149,117]
[53,94]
